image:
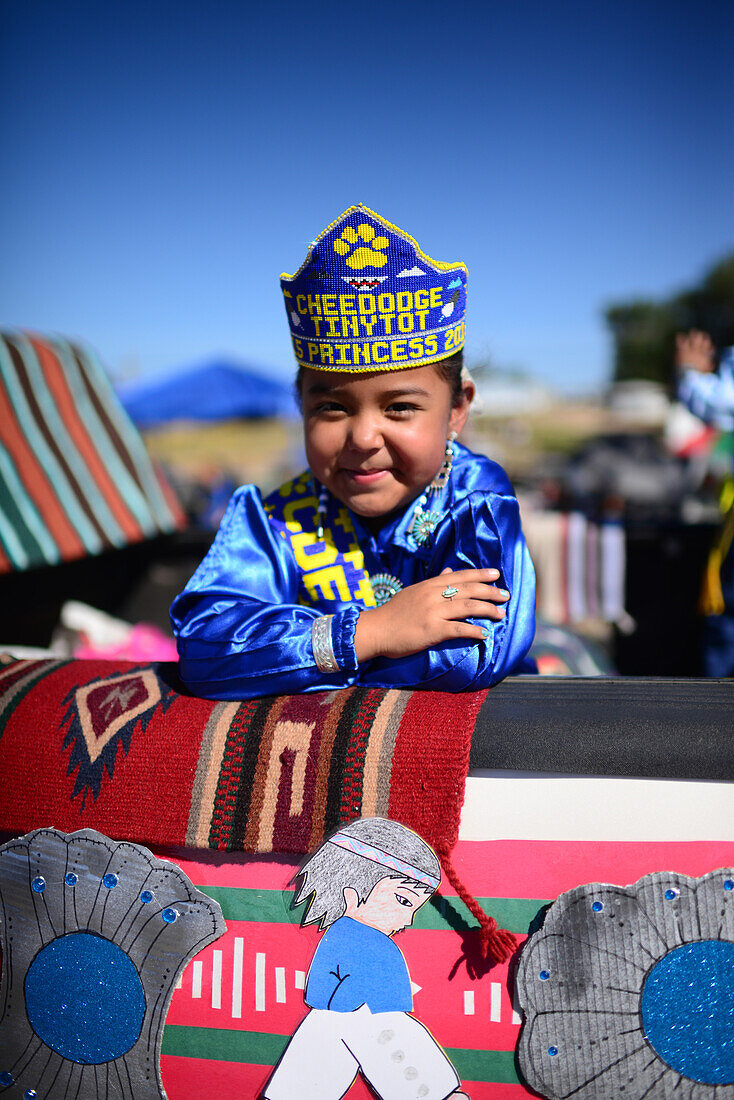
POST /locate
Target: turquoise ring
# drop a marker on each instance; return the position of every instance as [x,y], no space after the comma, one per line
[450,592]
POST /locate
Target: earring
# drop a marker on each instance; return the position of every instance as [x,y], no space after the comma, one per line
[441,479]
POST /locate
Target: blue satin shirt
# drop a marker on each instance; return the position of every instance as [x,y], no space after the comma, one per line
[243,626]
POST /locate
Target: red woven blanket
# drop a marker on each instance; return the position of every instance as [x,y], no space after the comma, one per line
[116,747]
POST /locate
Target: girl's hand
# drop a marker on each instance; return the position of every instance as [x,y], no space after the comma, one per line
[419,617]
[694,350]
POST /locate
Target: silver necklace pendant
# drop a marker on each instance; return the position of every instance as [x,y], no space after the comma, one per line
[384,587]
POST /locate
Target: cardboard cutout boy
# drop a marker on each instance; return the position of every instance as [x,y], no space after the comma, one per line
[363,885]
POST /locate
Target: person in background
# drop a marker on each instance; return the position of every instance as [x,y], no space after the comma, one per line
[709,394]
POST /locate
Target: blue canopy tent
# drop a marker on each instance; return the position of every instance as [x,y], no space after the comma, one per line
[216,390]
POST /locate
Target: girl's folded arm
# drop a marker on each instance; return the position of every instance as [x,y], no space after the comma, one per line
[484,531]
[239,629]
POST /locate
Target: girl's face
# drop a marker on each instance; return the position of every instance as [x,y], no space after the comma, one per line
[376,440]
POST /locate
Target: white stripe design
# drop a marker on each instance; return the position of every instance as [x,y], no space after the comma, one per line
[299,979]
[495,1002]
[237,967]
[509,806]
[260,982]
[216,979]
[196,975]
[468,1002]
[280,984]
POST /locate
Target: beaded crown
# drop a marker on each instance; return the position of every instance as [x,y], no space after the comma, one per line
[367,298]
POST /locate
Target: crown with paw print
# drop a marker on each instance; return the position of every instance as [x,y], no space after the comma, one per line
[367,298]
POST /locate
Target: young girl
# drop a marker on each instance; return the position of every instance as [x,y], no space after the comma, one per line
[364,885]
[397,560]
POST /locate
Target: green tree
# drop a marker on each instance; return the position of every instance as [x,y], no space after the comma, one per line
[643,333]
[644,330]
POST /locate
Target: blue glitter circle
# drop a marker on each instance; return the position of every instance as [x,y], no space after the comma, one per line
[6,1078]
[71,879]
[687,1005]
[110,881]
[544,975]
[38,885]
[146,897]
[84,998]
[169,915]
[670,894]
[729,884]
[597,906]
[553,1051]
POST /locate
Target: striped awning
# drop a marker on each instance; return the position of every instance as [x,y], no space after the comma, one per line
[75,477]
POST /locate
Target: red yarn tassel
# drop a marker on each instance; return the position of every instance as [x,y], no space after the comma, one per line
[495,943]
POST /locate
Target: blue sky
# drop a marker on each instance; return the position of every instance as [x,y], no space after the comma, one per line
[165,161]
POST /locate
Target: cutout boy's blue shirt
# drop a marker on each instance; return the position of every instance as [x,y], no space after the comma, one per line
[357,965]
[243,622]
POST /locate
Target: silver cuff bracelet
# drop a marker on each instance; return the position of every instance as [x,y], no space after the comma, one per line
[323,651]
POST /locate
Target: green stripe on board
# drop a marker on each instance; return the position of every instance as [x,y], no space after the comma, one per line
[272,907]
[221,1045]
[495,1066]
[261,1049]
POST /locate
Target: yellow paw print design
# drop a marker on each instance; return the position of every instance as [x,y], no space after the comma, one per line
[366,255]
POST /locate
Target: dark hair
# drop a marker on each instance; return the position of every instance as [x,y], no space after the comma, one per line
[449,369]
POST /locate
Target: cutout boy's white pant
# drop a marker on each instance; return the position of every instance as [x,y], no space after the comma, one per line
[396,1054]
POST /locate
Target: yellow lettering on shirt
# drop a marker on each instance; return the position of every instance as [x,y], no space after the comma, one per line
[320,581]
[309,504]
[325,555]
